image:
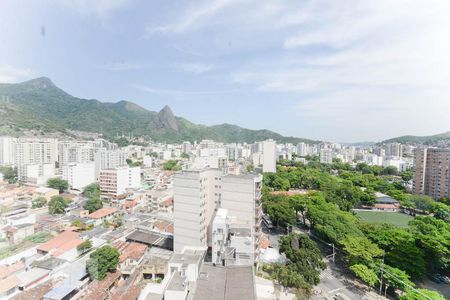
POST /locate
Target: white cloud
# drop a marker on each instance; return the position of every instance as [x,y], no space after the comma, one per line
[196,68]
[11,74]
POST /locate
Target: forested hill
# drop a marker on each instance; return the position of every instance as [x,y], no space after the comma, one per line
[426,140]
[40,105]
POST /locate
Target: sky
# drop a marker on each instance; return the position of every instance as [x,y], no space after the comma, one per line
[342,71]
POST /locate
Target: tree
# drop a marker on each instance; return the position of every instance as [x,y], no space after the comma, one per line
[92,190]
[390,170]
[288,276]
[171,165]
[58,184]
[184,155]
[153,154]
[9,174]
[360,250]
[304,257]
[280,211]
[38,202]
[299,204]
[57,205]
[421,294]
[250,168]
[433,236]
[400,246]
[84,246]
[441,211]
[101,261]
[93,204]
[365,274]
[407,175]
[281,184]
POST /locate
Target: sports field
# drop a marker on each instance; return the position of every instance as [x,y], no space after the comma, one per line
[395,218]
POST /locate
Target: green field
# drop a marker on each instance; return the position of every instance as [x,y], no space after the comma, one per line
[395,218]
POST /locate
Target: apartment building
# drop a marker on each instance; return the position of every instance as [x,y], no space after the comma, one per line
[326,156]
[35,151]
[79,175]
[269,148]
[432,172]
[199,193]
[109,159]
[7,150]
[115,182]
[36,173]
[196,195]
[76,152]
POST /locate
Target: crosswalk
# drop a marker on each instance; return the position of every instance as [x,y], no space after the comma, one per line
[327,274]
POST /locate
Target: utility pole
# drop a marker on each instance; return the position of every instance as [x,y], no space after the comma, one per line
[333,253]
[381,276]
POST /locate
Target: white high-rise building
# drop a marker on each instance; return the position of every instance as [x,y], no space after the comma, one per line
[326,156]
[115,182]
[36,151]
[7,150]
[109,159]
[232,242]
[35,173]
[269,156]
[196,195]
[79,175]
[241,196]
[302,149]
[76,152]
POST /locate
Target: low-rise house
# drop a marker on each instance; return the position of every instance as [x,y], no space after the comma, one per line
[16,234]
[100,290]
[31,278]
[45,192]
[8,286]
[132,255]
[103,214]
[63,246]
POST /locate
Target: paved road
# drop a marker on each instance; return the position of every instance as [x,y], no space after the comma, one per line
[333,282]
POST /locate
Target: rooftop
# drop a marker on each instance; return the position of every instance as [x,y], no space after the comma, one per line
[225,283]
[176,283]
[102,212]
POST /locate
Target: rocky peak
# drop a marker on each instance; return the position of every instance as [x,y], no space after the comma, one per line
[41,82]
[166,119]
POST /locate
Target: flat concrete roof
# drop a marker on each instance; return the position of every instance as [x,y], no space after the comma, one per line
[225,283]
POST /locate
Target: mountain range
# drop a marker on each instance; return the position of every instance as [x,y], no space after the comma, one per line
[39,105]
[441,138]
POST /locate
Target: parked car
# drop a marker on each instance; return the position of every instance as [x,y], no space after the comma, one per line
[436,278]
[445,279]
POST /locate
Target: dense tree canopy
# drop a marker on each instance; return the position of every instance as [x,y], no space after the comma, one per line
[58,184]
[93,204]
[102,261]
[305,262]
[57,205]
[9,174]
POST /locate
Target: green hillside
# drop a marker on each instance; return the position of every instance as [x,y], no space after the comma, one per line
[426,140]
[40,105]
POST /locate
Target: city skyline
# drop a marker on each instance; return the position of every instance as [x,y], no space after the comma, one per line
[280,66]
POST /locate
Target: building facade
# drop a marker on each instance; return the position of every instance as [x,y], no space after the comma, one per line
[432,172]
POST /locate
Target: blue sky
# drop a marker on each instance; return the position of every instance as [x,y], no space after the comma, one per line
[331,70]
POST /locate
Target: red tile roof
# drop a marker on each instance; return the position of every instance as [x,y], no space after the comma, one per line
[8,283]
[132,250]
[61,243]
[102,212]
[6,270]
